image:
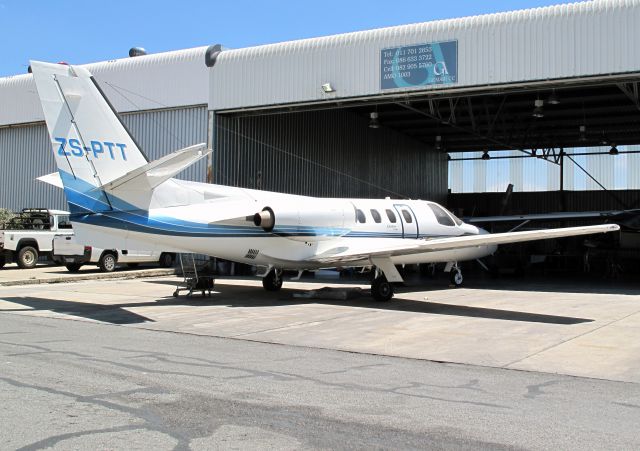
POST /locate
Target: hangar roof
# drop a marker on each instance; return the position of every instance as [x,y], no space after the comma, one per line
[586,39]
[161,80]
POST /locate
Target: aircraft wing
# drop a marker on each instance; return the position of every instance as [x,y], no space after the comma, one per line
[548,216]
[368,249]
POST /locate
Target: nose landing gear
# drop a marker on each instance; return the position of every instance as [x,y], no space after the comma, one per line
[455,274]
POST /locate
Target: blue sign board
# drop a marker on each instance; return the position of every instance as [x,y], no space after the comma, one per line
[419,65]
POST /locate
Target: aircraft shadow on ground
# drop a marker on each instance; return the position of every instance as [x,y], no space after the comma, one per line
[108,313]
[398,304]
[533,284]
[250,297]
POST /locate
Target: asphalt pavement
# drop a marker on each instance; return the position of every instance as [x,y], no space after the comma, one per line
[68,384]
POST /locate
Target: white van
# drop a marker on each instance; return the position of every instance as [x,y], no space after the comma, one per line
[68,252]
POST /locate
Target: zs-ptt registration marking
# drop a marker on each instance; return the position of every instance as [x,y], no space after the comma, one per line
[72,147]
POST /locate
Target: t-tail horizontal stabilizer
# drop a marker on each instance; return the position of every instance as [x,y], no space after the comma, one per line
[149,176]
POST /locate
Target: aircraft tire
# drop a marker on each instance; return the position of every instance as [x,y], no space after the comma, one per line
[272,281]
[381,289]
[166,260]
[456,278]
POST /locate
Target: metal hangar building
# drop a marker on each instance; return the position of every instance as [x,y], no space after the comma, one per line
[385,112]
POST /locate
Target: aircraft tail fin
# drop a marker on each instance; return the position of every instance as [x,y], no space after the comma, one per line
[92,147]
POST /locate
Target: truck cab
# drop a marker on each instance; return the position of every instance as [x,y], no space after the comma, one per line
[29,234]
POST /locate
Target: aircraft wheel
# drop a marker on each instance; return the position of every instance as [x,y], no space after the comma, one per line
[273,280]
[456,277]
[166,260]
[381,289]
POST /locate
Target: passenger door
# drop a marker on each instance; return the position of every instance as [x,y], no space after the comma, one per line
[408,221]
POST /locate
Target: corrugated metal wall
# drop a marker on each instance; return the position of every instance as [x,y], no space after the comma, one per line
[131,84]
[555,42]
[325,153]
[533,174]
[25,153]
[161,132]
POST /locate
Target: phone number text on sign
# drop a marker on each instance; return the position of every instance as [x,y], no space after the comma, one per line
[419,65]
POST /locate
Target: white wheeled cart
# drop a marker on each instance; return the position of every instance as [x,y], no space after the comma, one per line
[197,273]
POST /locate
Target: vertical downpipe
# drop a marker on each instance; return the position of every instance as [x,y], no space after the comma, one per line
[211,126]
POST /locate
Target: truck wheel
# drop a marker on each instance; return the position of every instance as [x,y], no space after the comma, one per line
[107,262]
[73,267]
[166,260]
[2,262]
[27,257]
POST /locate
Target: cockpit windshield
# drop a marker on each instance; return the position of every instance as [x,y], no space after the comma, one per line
[444,216]
[457,220]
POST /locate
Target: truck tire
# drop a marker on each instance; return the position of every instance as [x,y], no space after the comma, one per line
[2,262]
[27,257]
[73,267]
[107,262]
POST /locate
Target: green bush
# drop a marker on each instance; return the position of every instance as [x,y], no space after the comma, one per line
[6,217]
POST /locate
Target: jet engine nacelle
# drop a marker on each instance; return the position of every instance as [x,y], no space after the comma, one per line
[312,220]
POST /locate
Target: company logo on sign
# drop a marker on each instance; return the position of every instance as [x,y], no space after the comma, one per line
[106,149]
[419,65]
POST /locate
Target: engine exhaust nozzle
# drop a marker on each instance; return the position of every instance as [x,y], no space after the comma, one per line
[265,219]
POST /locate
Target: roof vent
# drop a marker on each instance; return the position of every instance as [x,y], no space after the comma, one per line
[137,51]
[211,55]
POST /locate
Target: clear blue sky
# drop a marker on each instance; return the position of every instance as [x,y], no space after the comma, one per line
[86,31]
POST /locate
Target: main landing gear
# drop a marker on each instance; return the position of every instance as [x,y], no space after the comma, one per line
[381,288]
[273,280]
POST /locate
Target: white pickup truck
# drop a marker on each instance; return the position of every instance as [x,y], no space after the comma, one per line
[30,234]
[73,255]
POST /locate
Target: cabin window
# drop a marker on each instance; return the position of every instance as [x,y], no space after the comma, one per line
[360,217]
[375,215]
[407,216]
[441,215]
[391,215]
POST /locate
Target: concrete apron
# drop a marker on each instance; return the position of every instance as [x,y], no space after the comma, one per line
[522,325]
[11,274]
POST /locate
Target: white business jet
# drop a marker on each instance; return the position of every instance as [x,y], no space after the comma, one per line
[119,199]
